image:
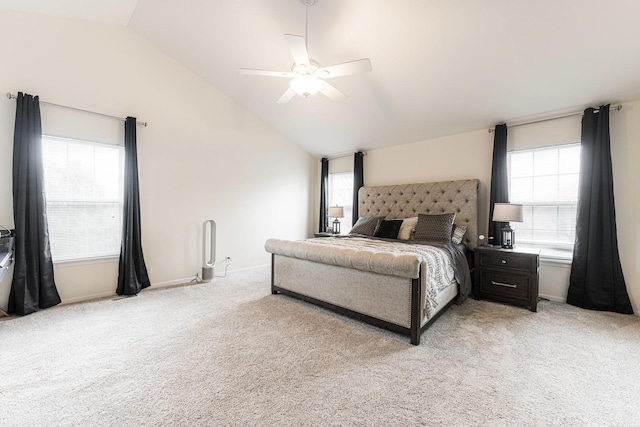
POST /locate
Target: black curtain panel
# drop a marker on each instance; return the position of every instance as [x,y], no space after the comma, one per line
[358,182]
[33,286]
[324,195]
[596,280]
[132,271]
[499,181]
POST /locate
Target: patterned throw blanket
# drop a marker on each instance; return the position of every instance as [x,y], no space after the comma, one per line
[439,262]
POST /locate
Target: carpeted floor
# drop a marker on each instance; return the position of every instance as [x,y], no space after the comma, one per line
[230,353]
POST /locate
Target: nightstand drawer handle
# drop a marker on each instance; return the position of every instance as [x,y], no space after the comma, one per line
[507,285]
[504,261]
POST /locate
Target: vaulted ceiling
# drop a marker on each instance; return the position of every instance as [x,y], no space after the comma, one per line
[439,67]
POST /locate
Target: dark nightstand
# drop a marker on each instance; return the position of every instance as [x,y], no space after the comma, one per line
[324,234]
[507,275]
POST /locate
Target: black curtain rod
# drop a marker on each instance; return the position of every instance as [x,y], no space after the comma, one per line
[139,123]
[339,156]
[562,116]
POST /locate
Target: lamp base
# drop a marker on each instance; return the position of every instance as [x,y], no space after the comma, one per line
[508,237]
[336,226]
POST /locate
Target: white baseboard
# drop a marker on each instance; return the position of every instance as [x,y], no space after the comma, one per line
[171,282]
[157,285]
[112,294]
[553,298]
[564,301]
[253,268]
[91,297]
[189,279]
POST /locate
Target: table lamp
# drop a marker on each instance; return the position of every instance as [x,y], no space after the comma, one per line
[336,212]
[507,212]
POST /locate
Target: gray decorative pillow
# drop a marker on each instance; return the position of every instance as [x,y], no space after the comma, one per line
[366,226]
[436,228]
[458,233]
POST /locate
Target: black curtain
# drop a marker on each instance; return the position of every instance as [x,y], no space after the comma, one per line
[499,181]
[596,280]
[132,271]
[33,284]
[324,195]
[358,181]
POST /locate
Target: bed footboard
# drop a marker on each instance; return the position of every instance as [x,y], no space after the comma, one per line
[386,302]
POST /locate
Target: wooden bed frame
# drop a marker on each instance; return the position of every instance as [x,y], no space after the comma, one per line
[346,291]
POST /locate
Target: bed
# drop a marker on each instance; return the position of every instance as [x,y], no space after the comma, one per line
[400,285]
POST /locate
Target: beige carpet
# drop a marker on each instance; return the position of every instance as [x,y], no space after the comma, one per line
[230,353]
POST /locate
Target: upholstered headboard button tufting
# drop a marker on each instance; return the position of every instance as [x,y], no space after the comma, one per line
[403,201]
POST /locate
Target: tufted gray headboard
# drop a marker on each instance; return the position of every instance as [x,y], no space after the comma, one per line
[408,200]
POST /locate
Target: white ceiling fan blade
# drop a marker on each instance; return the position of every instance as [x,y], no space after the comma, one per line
[298,49]
[332,93]
[287,96]
[266,73]
[345,69]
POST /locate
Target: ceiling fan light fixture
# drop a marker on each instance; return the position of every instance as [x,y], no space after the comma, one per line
[308,77]
[306,85]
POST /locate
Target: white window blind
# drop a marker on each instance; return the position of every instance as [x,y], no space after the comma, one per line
[545,182]
[84,193]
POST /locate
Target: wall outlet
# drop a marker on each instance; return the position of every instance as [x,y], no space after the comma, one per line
[149,269]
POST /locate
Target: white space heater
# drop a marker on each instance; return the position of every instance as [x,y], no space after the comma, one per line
[208,250]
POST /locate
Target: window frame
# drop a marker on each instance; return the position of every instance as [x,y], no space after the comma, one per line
[550,249]
[118,201]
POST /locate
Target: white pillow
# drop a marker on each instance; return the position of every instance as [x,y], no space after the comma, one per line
[458,233]
[407,228]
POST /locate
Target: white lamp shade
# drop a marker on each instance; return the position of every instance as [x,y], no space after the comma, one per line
[507,212]
[306,85]
[336,212]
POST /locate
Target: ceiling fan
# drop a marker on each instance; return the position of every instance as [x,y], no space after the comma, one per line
[307,77]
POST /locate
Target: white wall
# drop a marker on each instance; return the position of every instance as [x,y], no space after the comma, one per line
[201,157]
[625,154]
[341,164]
[469,155]
[449,158]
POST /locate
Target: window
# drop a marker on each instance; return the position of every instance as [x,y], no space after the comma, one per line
[84,193]
[341,194]
[545,182]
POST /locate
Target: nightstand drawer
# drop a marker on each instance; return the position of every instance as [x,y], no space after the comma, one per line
[505,285]
[509,276]
[505,260]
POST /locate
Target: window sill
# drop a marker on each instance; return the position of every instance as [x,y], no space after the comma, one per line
[86,261]
[552,255]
